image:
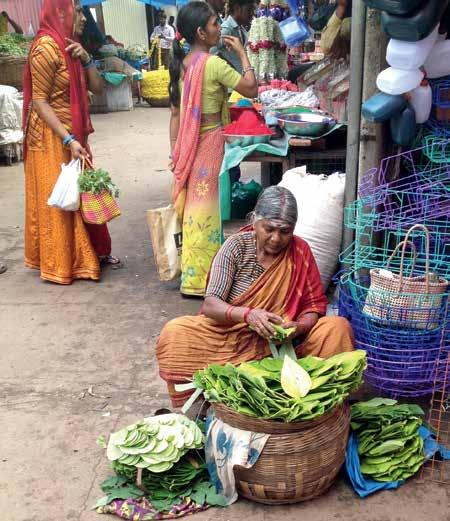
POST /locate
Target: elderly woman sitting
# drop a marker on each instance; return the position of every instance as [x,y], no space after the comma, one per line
[261,276]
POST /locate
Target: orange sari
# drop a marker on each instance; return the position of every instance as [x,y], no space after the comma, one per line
[289,288]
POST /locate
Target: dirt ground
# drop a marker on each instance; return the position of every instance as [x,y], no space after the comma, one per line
[78,361]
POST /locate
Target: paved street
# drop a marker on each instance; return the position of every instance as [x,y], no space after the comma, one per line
[78,361]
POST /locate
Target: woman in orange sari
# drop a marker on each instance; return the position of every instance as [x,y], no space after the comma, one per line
[261,276]
[57,125]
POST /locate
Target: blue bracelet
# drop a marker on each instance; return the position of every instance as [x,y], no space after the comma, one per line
[68,139]
[89,64]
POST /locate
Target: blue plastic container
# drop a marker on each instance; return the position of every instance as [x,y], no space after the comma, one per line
[295,31]
[400,7]
[417,25]
[382,107]
[403,127]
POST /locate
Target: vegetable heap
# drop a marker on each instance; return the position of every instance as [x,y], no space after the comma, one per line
[390,446]
[285,390]
[165,448]
[97,181]
[155,443]
[14,44]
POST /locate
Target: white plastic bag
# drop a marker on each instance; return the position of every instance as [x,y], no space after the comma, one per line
[320,201]
[165,234]
[66,194]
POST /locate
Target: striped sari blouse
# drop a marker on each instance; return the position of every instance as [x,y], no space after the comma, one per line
[234,268]
[50,78]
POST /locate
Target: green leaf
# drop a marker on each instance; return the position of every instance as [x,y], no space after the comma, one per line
[101,442]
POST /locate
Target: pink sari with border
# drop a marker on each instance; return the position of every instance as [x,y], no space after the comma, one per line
[198,158]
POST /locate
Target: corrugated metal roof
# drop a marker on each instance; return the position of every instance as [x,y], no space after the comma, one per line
[23,12]
[126,22]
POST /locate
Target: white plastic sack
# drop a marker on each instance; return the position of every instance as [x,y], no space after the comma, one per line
[165,234]
[66,194]
[320,201]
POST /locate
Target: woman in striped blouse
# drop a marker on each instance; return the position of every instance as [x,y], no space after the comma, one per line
[57,125]
[261,276]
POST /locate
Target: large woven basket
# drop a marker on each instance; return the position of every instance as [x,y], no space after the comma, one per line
[12,68]
[295,465]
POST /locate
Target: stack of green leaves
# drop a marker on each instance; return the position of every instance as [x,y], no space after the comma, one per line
[14,44]
[284,389]
[390,446]
[97,181]
[155,443]
[187,478]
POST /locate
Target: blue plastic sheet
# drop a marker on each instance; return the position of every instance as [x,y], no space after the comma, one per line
[364,486]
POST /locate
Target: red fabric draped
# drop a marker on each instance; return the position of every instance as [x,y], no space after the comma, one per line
[57,19]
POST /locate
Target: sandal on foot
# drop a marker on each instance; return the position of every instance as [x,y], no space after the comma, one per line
[115,262]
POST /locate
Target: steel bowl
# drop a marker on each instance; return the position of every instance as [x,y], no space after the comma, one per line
[234,140]
[305,124]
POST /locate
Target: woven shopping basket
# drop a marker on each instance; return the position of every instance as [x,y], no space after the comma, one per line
[98,208]
[300,460]
[408,301]
[155,84]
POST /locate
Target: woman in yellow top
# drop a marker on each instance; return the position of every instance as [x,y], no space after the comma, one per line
[197,144]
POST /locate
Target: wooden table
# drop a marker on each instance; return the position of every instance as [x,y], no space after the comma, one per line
[300,149]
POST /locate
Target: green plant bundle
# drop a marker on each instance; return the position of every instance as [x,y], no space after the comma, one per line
[282,333]
[256,389]
[389,443]
[97,181]
[155,443]
[14,44]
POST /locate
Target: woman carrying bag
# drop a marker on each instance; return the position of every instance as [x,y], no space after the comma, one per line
[57,125]
[197,143]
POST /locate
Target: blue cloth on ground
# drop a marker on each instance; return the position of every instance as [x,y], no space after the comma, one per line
[364,486]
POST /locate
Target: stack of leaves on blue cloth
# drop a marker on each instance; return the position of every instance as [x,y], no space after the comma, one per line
[284,389]
[163,451]
[389,443]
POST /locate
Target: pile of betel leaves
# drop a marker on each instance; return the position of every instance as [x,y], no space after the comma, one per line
[389,443]
[284,389]
[14,45]
[166,448]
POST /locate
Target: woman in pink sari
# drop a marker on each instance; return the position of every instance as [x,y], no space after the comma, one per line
[197,145]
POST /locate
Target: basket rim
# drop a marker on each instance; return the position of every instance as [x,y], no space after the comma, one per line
[271,426]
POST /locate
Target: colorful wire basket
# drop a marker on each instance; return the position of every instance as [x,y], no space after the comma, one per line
[403,360]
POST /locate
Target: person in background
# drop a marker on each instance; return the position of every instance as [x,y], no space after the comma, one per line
[172,23]
[57,125]
[197,144]
[166,35]
[240,15]
[335,41]
[5,20]
[219,8]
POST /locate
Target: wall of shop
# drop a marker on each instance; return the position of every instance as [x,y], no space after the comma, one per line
[125,21]
[24,12]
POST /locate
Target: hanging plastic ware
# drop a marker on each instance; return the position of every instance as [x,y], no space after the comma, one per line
[416,26]
[403,127]
[421,100]
[410,55]
[438,63]
[398,81]
[382,107]
[401,7]
[294,30]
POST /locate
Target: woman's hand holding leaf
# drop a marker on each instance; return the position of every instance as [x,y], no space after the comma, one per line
[262,322]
